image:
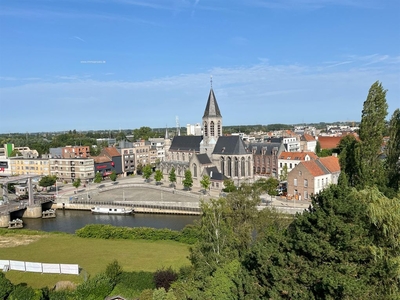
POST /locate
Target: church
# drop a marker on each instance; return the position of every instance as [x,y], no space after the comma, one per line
[220,157]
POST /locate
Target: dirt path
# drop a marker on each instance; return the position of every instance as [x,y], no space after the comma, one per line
[17,240]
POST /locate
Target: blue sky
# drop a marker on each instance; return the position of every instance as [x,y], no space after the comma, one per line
[93,64]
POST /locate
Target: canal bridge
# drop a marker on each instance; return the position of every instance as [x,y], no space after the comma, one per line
[30,208]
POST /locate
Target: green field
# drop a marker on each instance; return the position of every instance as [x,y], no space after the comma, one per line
[92,255]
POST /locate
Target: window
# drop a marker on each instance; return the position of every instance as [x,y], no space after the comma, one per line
[243,167]
[305,195]
[295,182]
[219,128]
[194,170]
[205,129]
[290,165]
[229,167]
[305,183]
[212,128]
[236,167]
[300,173]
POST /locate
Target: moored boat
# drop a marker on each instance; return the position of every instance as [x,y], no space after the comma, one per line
[111,210]
[50,213]
[16,223]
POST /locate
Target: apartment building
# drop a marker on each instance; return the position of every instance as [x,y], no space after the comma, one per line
[75,152]
[29,166]
[69,169]
[142,153]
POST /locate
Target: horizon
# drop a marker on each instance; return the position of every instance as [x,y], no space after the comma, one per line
[90,64]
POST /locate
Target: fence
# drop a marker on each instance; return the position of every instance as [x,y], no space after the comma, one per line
[25,266]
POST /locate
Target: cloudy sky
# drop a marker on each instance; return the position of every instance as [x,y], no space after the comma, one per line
[117,64]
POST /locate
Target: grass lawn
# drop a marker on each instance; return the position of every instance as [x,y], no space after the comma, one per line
[92,256]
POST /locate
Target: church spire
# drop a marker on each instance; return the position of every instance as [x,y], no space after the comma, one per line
[166,133]
[212,109]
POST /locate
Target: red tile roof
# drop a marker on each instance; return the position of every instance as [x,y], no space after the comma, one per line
[308,137]
[313,168]
[101,159]
[112,151]
[297,155]
[331,163]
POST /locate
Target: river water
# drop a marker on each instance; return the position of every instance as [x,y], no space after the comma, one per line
[70,220]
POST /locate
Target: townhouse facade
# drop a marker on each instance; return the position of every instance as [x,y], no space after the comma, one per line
[29,166]
[289,160]
[75,152]
[309,178]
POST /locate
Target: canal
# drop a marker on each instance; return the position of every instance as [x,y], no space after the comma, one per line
[70,220]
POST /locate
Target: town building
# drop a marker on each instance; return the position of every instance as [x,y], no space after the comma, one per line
[75,152]
[266,157]
[29,166]
[70,169]
[310,177]
[289,160]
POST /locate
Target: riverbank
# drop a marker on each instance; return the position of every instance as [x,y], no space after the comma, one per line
[92,256]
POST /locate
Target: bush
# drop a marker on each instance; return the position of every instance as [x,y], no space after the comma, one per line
[188,235]
[5,286]
[164,278]
[113,271]
[94,288]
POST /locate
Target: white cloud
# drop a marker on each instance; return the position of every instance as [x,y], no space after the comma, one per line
[263,93]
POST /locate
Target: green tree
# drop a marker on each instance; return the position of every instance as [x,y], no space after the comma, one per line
[47,181]
[114,271]
[229,185]
[283,176]
[144,133]
[172,176]
[139,169]
[158,176]
[147,171]
[113,176]
[5,286]
[98,177]
[318,147]
[268,186]
[371,131]
[15,152]
[188,180]
[348,159]
[205,182]
[77,183]
[393,152]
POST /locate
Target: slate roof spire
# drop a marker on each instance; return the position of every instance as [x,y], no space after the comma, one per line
[212,109]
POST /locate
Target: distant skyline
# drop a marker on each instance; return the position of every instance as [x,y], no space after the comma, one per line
[119,64]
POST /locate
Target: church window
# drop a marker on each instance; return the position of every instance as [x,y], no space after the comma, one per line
[205,129]
[248,167]
[242,167]
[183,156]
[236,167]
[229,167]
[194,170]
[219,128]
[222,165]
[212,128]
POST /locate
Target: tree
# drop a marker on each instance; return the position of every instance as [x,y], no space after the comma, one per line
[284,174]
[268,186]
[172,176]
[348,159]
[46,181]
[229,185]
[158,176]
[139,169]
[147,171]
[144,133]
[393,152]
[113,271]
[188,181]
[318,147]
[205,182]
[113,176]
[98,177]
[371,131]
[15,152]
[77,183]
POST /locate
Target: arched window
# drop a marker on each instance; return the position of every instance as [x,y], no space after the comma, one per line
[236,167]
[205,129]
[183,156]
[229,167]
[212,128]
[219,128]
[243,167]
[222,165]
[248,166]
[194,170]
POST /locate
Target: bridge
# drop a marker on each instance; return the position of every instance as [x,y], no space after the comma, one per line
[28,209]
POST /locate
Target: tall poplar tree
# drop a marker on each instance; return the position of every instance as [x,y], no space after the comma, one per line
[393,152]
[371,135]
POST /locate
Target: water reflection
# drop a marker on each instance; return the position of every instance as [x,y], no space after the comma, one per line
[70,220]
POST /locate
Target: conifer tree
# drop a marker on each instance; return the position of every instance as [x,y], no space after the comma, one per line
[393,152]
[371,135]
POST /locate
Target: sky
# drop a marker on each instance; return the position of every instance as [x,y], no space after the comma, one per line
[119,64]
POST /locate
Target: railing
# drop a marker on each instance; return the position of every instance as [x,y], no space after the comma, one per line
[138,205]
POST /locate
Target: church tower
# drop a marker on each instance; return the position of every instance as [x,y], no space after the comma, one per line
[212,124]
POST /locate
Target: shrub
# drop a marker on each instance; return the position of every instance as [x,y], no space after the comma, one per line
[164,278]
[113,271]
[5,286]
[95,288]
